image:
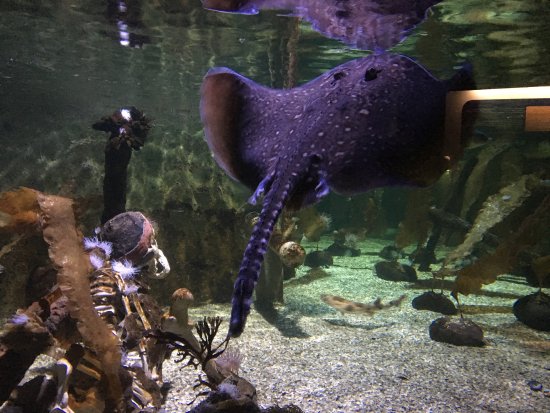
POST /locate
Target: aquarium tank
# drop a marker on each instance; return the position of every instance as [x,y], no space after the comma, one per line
[318,206]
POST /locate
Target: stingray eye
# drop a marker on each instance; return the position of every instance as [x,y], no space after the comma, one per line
[371,74]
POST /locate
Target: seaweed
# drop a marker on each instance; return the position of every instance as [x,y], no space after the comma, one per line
[416,225]
[66,252]
[495,209]
[19,210]
[485,270]
[201,356]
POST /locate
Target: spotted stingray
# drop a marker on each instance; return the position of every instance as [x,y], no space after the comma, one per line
[371,122]
[364,24]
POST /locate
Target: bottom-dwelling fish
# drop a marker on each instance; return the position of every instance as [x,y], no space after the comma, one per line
[370,122]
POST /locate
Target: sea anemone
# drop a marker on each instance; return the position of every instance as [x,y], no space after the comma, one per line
[230,360]
[90,243]
[106,246]
[93,242]
[130,289]
[125,268]
[97,262]
[19,319]
[326,220]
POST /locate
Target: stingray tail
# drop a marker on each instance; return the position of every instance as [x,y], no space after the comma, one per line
[277,192]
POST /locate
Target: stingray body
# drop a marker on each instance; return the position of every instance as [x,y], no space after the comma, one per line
[365,24]
[371,122]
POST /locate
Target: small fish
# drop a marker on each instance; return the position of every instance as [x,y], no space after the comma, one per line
[347,306]
[371,122]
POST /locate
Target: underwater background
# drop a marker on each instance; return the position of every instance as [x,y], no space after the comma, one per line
[66,64]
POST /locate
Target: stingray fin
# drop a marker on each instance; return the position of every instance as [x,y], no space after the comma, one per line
[219,108]
[231,106]
[262,188]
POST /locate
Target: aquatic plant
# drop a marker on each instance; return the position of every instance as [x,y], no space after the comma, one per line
[416,225]
[202,356]
[532,229]
[65,250]
[19,210]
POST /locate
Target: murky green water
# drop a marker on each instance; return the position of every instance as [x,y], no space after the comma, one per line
[62,67]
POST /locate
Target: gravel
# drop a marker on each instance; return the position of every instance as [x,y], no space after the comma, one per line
[310,355]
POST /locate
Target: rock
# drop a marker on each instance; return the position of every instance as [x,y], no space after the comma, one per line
[338,249]
[533,310]
[534,385]
[292,254]
[391,252]
[394,271]
[433,301]
[318,259]
[460,332]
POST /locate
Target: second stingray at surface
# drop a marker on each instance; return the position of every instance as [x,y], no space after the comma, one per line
[371,122]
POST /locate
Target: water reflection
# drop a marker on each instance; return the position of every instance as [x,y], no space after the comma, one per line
[364,24]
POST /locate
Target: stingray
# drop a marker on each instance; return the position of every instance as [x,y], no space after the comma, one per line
[371,122]
[364,24]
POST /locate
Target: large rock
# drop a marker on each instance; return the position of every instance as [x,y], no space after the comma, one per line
[394,271]
[433,301]
[533,310]
[460,332]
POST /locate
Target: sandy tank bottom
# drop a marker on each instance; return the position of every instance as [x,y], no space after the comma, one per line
[324,361]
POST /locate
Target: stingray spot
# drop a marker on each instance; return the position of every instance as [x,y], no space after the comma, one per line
[312,146]
[321,134]
[347,129]
[277,132]
[305,155]
[364,112]
[340,142]
[371,74]
[342,14]
[337,76]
